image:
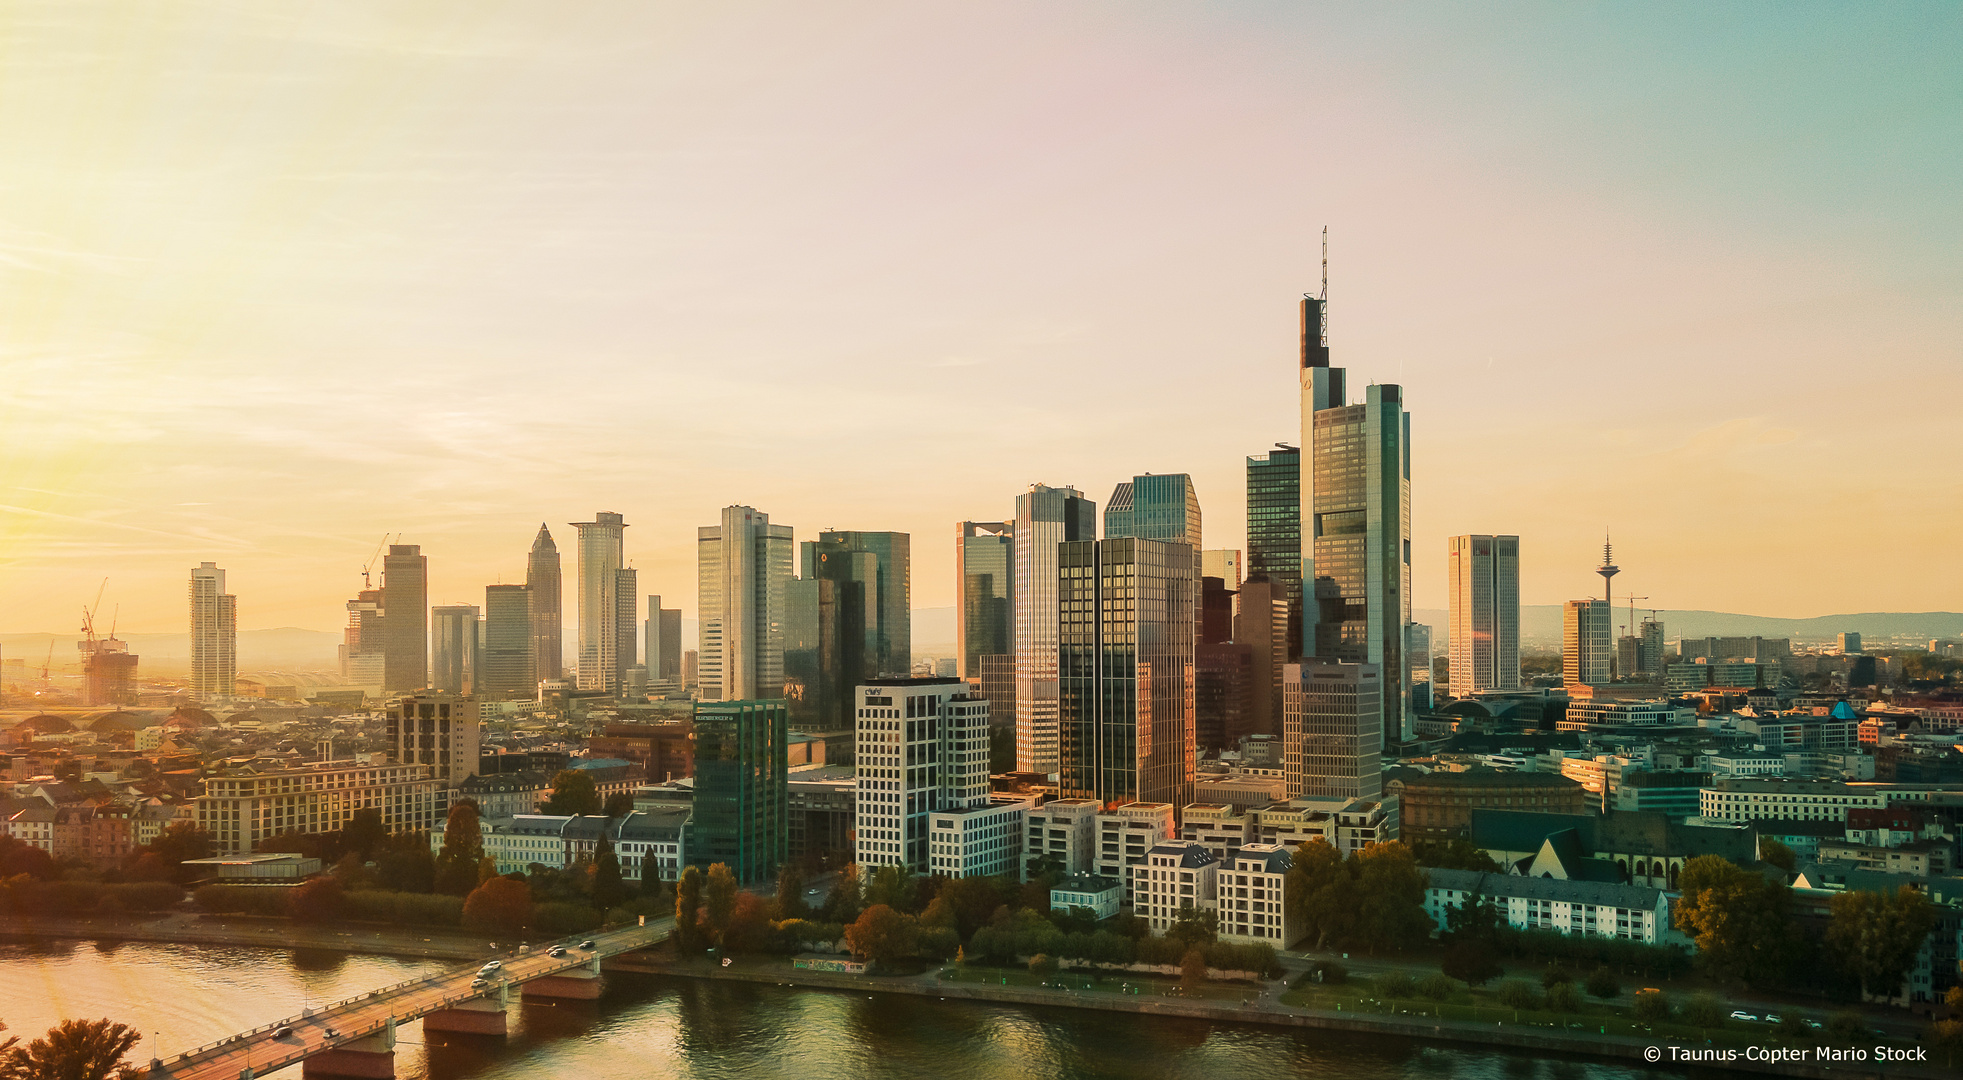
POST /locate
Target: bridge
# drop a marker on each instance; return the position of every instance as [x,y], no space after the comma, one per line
[356,1037]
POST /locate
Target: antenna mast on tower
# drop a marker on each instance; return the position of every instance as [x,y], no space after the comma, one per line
[1325,287]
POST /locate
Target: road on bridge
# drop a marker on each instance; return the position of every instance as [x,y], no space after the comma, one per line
[263,1050]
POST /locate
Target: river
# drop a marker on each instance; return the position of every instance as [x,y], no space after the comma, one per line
[656,1026]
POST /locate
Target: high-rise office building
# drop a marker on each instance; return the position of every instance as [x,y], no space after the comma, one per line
[1126,663]
[742,771]
[1274,533]
[1262,625]
[922,765]
[691,669]
[997,683]
[1356,522]
[108,671]
[364,653]
[542,580]
[622,654]
[1417,652]
[1585,643]
[1332,721]
[505,671]
[1223,563]
[984,569]
[214,634]
[1045,517]
[437,729]
[602,554]
[454,639]
[1155,506]
[742,566]
[1483,574]
[815,685]
[880,565]
[405,619]
[664,642]
[1850,640]
[1649,656]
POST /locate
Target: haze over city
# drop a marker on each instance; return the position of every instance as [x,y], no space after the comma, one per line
[275,282]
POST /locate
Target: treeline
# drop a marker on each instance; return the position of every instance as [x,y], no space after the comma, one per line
[1371,901]
[24,894]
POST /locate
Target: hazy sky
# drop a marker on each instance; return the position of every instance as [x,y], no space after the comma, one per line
[278,278]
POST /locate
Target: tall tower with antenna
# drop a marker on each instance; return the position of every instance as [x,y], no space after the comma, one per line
[1608,570]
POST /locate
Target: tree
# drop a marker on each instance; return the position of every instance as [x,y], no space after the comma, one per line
[1562,998]
[790,894]
[881,935]
[1391,889]
[73,1050]
[1194,927]
[316,901]
[500,905]
[1945,1039]
[1454,854]
[1319,890]
[463,847]
[1602,984]
[719,901]
[181,840]
[1704,1010]
[846,899]
[573,793]
[1518,994]
[618,804]
[1778,854]
[688,911]
[365,831]
[1474,963]
[1739,920]
[1555,974]
[1192,969]
[1437,987]
[1395,984]
[1652,1007]
[1874,936]
[1042,965]
[609,891]
[1473,919]
[894,887]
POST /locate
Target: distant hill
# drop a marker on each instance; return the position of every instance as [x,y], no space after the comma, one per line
[1540,624]
[286,647]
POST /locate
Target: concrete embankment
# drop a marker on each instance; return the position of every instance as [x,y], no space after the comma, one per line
[1527,1039]
[254,932]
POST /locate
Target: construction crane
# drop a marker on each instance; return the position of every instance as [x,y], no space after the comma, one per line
[365,567]
[1631,627]
[88,617]
[47,683]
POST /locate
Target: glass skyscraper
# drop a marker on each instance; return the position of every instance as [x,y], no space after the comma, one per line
[1274,530]
[742,566]
[542,585]
[877,569]
[1483,574]
[1125,670]
[405,619]
[1155,507]
[602,543]
[505,669]
[1045,518]
[984,564]
[742,768]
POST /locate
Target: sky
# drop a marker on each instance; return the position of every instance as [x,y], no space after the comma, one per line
[279,279]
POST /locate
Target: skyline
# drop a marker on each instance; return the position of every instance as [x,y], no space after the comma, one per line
[533,231]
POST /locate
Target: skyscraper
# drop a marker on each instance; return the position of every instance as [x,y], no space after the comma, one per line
[622,653]
[1155,507]
[1223,563]
[1483,574]
[1274,533]
[405,619]
[364,653]
[440,730]
[1045,517]
[1356,515]
[454,639]
[1125,670]
[1585,643]
[922,764]
[880,565]
[1262,626]
[815,686]
[542,581]
[664,642]
[505,670]
[1332,721]
[742,769]
[984,568]
[214,634]
[602,554]
[742,566]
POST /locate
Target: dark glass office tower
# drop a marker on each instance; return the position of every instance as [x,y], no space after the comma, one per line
[542,579]
[984,564]
[1274,530]
[1125,671]
[815,656]
[1155,506]
[742,766]
[454,649]
[880,564]
[506,673]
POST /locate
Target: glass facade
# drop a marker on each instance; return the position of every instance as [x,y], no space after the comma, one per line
[1045,518]
[1585,643]
[506,663]
[1126,670]
[542,584]
[880,565]
[742,567]
[454,640]
[985,559]
[1333,730]
[1155,507]
[741,788]
[1274,530]
[1483,574]
[602,544]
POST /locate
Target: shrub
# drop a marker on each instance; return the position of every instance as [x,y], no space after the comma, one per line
[1042,965]
[1395,985]
[1705,1011]
[1333,973]
[1518,994]
[1563,998]
[1471,962]
[937,942]
[1602,983]
[146,895]
[1437,986]
[1793,1026]
[1652,1007]
[1556,974]
[1846,1027]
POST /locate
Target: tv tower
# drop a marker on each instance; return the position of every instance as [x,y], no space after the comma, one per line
[1608,570]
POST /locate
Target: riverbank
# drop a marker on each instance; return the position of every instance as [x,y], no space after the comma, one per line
[257,932]
[1269,1012]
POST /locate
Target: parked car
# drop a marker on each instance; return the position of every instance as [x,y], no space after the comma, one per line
[1740,1014]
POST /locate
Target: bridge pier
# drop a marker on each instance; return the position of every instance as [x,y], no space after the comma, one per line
[371,1057]
[478,1016]
[575,984]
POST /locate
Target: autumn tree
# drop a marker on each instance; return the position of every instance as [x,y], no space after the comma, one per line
[1740,921]
[790,894]
[463,847]
[180,841]
[500,905]
[73,1050]
[847,897]
[573,793]
[1192,969]
[609,891]
[316,901]
[1778,854]
[1874,936]
[1391,891]
[881,935]
[688,911]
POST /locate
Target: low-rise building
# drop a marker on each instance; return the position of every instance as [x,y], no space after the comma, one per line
[1585,908]
[985,841]
[1348,825]
[1101,896]
[258,867]
[504,795]
[241,809]
[1248,897]
[1125,834]
[1220,827]
[1439,806]
[1673,793]
[1062,835]
[652,844]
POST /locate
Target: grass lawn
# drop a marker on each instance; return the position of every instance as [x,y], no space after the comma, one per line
[1131,983]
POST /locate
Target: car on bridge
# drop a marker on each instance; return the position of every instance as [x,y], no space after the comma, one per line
[556,950]
[489,967]
[587,944]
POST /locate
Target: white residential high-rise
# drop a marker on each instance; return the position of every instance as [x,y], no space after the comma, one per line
[922,760]
[742,566]
[1483,574]
[1585,643]
[1045,517]
[214,634]
[602,554]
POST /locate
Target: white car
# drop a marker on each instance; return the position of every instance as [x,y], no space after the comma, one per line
[1740,1014]
[488,968]
[1771,1018]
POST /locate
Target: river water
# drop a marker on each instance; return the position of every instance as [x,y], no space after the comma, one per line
[653,1026]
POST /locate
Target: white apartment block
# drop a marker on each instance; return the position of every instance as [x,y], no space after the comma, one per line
[922,773]
[1248,901]
[1174,874]
[1126,834]
[1588,908]
[242,809]
[1222,829]
[978,843]
[1063,831]
[1348,825]
[1795,800]
[1745,764]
